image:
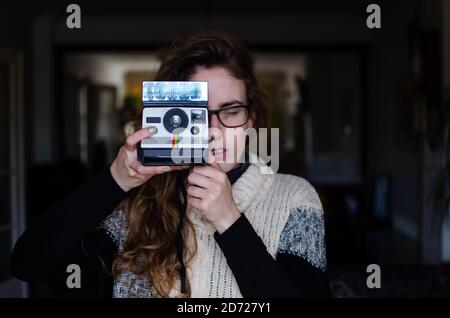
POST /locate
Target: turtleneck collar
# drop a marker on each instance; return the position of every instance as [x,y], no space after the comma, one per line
[237,171]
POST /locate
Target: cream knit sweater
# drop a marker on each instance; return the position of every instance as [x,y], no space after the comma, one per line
[284,210]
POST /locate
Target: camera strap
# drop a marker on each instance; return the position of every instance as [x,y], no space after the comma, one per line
[179,236]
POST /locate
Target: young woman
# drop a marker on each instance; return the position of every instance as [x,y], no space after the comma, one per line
[221,230]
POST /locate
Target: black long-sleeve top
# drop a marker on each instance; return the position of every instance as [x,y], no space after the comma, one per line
[68,233]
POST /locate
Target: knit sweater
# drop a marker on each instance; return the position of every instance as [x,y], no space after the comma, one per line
[275,249]
[284,212]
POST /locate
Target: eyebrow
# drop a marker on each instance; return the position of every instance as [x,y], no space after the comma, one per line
[231,103]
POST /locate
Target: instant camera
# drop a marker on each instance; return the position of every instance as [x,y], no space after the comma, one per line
[179,111]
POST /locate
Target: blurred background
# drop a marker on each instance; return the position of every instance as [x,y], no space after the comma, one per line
[363,115]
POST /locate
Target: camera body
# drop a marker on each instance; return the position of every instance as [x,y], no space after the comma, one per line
[179,111]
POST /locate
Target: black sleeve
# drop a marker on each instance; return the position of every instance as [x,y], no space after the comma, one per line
[259,275]
[43,251]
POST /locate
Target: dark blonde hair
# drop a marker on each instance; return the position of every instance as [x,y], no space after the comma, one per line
[150,247]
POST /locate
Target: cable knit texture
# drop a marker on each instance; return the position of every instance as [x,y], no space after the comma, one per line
[284,210]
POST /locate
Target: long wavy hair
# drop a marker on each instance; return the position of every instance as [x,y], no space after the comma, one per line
[152,216]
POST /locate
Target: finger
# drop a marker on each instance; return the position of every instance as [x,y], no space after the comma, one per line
[194,202]
[139,179]
[139,168]
[134,138]
[209,171]
[200,180]
[197,192]
[179,167]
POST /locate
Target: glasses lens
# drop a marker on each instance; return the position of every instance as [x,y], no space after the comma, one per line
[234,116]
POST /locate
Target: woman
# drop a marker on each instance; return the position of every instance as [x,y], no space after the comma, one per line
[221,230]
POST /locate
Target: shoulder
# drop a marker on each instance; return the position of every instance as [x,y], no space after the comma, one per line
[304,232]
[298,189]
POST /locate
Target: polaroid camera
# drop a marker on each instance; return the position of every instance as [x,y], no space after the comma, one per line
[179,111]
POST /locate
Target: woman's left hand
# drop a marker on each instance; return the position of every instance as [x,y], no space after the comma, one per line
[209,190]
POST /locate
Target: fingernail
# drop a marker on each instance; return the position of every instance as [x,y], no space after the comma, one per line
[152,129]
[166,169]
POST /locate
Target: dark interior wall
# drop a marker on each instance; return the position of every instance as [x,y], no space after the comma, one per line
[387,74]
[37,29]
[335,97]
[389,85]
[16,33]
[446,83]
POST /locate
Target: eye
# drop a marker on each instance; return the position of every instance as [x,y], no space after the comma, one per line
[231,112]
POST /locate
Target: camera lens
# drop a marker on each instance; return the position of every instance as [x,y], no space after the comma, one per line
[175,118]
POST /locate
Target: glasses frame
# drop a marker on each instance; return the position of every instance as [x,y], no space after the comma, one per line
[217,111]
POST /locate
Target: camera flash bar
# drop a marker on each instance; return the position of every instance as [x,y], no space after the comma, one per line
[168,92]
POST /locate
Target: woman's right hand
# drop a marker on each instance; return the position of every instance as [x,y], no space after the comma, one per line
[127,170]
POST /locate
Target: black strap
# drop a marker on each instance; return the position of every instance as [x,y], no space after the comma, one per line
[179,237]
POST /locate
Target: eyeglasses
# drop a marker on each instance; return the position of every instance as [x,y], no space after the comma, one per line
[231,117]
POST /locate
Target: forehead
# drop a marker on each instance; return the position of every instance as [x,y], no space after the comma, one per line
[222,86]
